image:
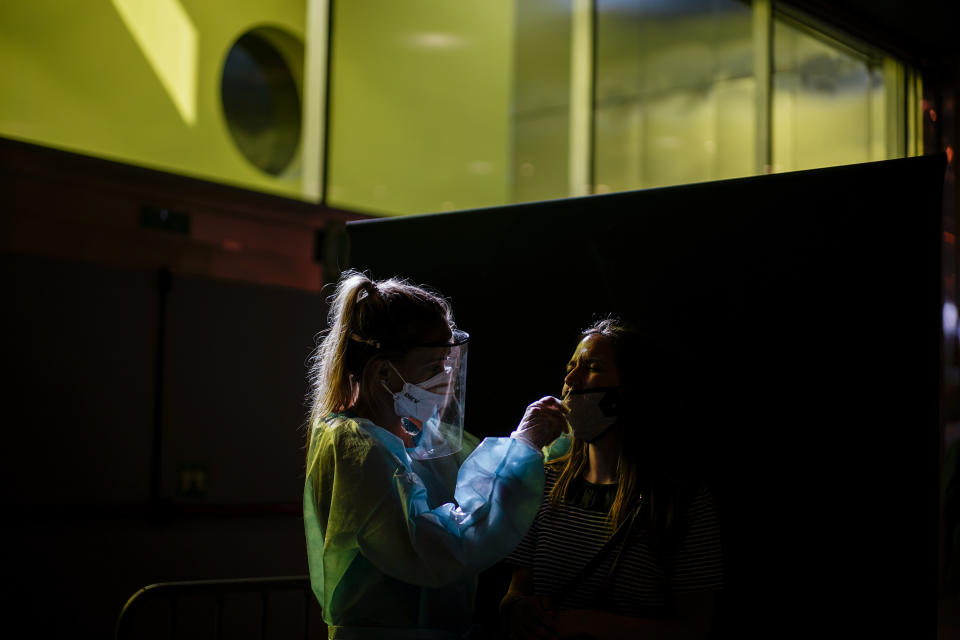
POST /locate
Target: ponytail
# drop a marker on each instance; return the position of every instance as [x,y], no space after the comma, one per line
[332,389]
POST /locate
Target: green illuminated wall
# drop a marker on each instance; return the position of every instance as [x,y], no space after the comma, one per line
[420,105]
[134,81]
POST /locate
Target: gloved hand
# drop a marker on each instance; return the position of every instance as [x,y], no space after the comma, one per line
[542,423]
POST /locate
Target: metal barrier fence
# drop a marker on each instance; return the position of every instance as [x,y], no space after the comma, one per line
[174,594]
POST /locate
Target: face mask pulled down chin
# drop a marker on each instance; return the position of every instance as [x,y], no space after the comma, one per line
[591,412]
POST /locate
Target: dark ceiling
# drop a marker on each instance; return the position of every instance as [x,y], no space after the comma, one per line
[919,30]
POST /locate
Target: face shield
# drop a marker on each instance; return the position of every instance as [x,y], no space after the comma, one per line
[431,409]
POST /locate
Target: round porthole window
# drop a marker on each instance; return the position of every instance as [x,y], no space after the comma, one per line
[260,92]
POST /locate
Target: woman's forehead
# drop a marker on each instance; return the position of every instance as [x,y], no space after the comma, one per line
[595,346]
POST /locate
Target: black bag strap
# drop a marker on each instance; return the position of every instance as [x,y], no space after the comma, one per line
[622,532]
[608,580]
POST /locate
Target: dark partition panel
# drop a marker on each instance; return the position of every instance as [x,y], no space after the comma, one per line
[807,308]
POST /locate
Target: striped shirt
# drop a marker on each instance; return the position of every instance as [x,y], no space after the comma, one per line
[565,538]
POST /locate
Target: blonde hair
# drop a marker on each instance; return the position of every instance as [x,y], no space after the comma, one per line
[367,319]
[574,463]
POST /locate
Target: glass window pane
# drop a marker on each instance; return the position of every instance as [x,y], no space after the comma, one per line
[675,92]
[541,101]
[541,147]
[828,102]
[420,104]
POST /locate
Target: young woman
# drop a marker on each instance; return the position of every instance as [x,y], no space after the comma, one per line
[620,547]
[396,528]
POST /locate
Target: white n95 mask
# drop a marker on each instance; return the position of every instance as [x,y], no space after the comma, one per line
[414,401]
[591,412]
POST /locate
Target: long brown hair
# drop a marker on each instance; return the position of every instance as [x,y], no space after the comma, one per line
[368,319]
[651,387]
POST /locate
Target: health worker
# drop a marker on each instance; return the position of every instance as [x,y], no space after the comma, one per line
[401,509]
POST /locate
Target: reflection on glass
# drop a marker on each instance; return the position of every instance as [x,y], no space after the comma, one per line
[674,91]
[828,102]
[437,105]
[419,105]
[541,100]
[541,146]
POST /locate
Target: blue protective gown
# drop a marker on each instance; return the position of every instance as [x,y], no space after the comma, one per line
[387,546]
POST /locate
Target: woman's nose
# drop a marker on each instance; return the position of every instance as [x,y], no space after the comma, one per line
[572,379]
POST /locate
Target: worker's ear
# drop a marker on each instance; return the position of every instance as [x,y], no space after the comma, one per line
[375,375]
[383,370]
